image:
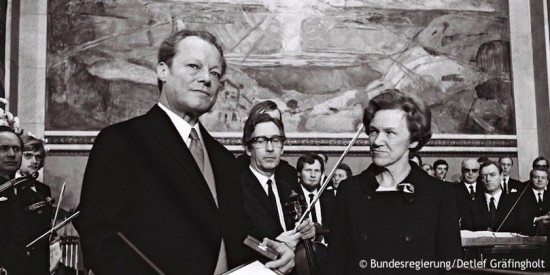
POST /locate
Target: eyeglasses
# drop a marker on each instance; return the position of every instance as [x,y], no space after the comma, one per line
[29,155]
[261,141]
[6,148]
[466,170]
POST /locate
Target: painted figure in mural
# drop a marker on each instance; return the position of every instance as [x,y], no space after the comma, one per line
[35,200]
[162,181]
[12,231]
[423,224]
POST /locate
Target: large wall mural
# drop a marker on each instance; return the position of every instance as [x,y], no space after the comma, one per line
[320,60]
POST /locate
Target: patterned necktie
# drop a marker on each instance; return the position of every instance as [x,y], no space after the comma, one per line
[472,192]
[540,200]
[492,211]
[313,212]
[196,149]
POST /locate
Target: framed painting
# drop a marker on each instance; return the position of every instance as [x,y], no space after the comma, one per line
[320,61]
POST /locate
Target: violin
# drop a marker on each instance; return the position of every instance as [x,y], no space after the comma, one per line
[309,253]
[307,261]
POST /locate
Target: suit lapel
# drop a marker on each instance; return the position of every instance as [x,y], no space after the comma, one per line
[164,132]
[253,184]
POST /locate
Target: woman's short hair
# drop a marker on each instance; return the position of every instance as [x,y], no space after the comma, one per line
[418,114]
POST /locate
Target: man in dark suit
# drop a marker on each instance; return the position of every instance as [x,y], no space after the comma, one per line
[12,230]
[508,184]
[310,169]
[284,170]
[534,206]
[468,189]
[492,211]
[34,198]
[164,183]
[266,194]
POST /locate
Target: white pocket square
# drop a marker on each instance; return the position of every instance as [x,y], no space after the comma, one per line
[3,199]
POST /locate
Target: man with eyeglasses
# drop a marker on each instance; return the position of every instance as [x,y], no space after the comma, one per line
[265,193]
[468,189]
[12,230]
[490,212]
[509,185]
[35,200]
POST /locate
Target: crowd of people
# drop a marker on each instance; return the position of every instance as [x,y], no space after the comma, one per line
[160,193]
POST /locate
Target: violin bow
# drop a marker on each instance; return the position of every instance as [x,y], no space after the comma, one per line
[329,177]
[55,228]
[58,204]
[513,206]
[13,182]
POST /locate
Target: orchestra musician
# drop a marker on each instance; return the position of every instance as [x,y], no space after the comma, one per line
[164,182]
[266,194]
[393,210]
[12,231]
[35,200]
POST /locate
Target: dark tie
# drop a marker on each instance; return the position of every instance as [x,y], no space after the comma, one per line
[271,196]
[540,200]
[472,192]
[313,212]
[196,149]
[492,211]
[505,186]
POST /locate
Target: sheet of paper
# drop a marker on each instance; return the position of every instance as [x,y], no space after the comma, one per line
[477,234]
[253,268]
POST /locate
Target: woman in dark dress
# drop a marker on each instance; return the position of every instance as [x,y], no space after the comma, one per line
[394,218]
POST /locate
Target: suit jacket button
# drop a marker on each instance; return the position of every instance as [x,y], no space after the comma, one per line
[407,238]
[363,237]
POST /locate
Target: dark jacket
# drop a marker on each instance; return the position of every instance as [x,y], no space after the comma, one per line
[478,219]
[386,226]
[12,234]
[464,199]
[528,209]
[141,180]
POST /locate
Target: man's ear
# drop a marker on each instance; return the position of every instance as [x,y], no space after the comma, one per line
[247,151]
[162,71]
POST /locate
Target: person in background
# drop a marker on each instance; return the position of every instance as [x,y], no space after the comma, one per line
[540,162]
[342,172]
[534,206]
[441,167]
[492,211]
[35,200]
[429,169]
[12,232]
[393,210]
[323,156]
[509,185]
[284,170]
[468,189]
[310,167]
